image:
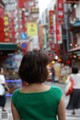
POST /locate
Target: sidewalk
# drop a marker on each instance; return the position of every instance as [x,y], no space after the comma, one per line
[7,115]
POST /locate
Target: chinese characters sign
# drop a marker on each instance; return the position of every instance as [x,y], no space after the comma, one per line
[32,29]
[60,11]
[51,12]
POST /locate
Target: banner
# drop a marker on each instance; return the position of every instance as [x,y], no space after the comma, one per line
[32,29]
[58,33]
[51,28]
[21,3]
[6,28]
[60,11]
[2,34]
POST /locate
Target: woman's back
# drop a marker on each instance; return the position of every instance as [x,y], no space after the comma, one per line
[39,105]
[76,78]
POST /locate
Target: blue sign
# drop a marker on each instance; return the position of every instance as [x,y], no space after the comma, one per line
[24,45]
[23,36]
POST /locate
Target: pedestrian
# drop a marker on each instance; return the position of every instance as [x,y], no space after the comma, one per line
[36,101]
[57,69]
[74,101]
[53,74]
[3,86]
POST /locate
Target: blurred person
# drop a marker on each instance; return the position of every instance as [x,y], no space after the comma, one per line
[53,74]
[36,101]
[3,86]
[57,69]
[74,101]
[63,73]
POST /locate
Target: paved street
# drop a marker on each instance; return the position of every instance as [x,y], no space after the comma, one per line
[69,116]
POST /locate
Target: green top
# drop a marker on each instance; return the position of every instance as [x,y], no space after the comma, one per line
[37,106]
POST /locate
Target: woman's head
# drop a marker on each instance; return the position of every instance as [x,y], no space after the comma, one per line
[74,70]
[33,68]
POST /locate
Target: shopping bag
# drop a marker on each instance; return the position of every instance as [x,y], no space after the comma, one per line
[69,87]
[2,90]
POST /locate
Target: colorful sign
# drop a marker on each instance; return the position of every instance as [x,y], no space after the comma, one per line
[2,35]
[60,11]
[32,29]
[51,12]
[21,3]
[6,28]
[58,33]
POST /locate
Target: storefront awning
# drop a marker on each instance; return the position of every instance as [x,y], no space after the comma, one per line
[8,46]
[75,49]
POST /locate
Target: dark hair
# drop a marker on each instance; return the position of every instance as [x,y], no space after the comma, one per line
[74,70]
[33,67]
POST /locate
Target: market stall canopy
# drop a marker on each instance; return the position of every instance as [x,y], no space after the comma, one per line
[8,46]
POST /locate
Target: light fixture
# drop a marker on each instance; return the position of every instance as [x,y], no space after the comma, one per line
[56,57]
[75,6]
[76,45]
[70,44]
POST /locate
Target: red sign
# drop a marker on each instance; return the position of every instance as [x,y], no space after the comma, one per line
[51,12]
[2,35]
[60,11]
[52,45]
[72,1]
[21,3]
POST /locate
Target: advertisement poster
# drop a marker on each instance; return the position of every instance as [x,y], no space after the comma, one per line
[32,29]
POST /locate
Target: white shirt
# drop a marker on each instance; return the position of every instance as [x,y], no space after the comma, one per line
[2,79]
[76,79]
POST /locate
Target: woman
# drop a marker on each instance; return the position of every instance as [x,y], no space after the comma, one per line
[74,102]
[37,101]
[3,85]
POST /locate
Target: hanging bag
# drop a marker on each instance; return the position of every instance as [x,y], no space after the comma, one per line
[69,87]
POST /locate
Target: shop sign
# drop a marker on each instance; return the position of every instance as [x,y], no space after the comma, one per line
[51,12]
[32,29]
[21,3]
[2,35]
[72,1]
[58,33]
[60,11]
[34,10]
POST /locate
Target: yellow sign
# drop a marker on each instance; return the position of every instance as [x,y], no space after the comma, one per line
[32,29]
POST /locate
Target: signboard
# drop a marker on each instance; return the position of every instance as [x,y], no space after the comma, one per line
[58,33]
[51,12]
[72,1]
[23,36]
[60,11]
[32,29]
[2,34]
[21,3]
